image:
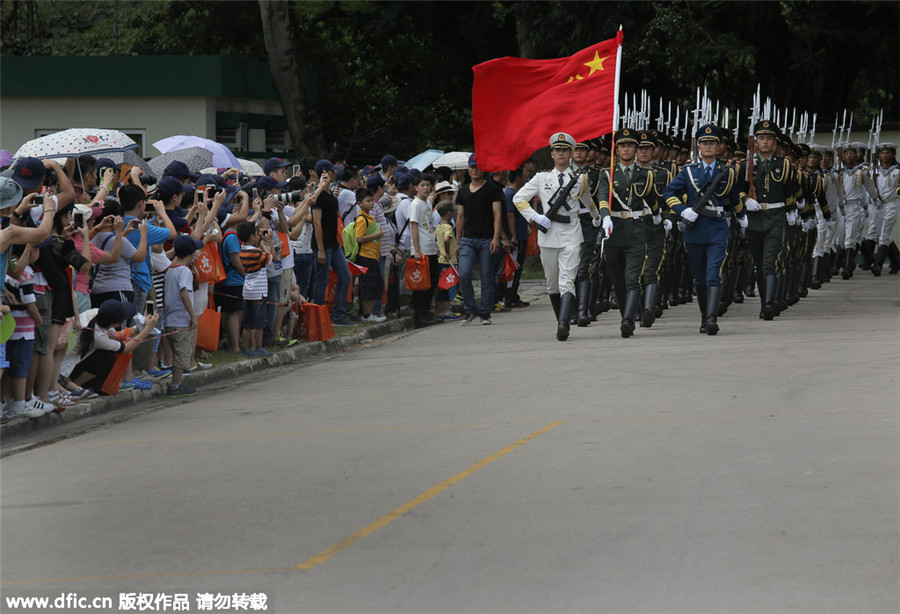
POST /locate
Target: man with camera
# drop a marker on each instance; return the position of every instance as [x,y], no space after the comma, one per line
[329,255]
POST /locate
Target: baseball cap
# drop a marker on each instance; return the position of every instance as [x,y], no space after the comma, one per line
[170,186]
[388,160]
[177,168]
[186,245]
[10,193]
[107,163]
[269,183]
[272,163]
[113,311]
[29,173]
[373,182]
[323,165]
[472,161]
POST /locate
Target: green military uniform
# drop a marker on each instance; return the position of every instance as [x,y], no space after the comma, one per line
[656,234]
[634,201]
[589,247]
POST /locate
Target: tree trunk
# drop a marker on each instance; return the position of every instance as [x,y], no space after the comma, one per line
[303,120]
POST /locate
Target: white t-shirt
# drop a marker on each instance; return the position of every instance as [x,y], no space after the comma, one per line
[401,215]
[347,202]
[420,213]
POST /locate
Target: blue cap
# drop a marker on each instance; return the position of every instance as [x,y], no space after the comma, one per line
[373,182]
[29,173]
[170,186]
[388,160]
[107,163]
[709,132]
[177,168]
[323,165]
[403,179]
[338,172]
[112,312]
[205,180]
[472,160]
[269,183]
[272,163]
[186,245]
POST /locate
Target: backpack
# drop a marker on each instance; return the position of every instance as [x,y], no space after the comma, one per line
[351,245]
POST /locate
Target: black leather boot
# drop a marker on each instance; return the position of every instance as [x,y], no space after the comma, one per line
[704,307]
[790,284]
[593,305]
[866,248]
[750,282]
[584,301]
[815,283]
[769,309]
[566,303]
[713,294]
[737,294]
[878,260]
[894,255]
[725,299]
[849,263]
[803,282]
[554,301]
[651,297]
[573,315]
[778,301]
[632,300]
[838,261]
[825,272]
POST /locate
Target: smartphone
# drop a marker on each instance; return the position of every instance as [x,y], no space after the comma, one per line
[78,220]
[255,193]
[296,170]
[38,199]
[149,308]
[201,195]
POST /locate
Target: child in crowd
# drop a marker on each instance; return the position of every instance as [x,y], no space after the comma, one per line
[445,237]
[368,235]
[256,253]
[180,319]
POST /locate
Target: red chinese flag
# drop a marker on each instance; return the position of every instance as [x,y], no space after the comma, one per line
[355,269]
[449,278]
[517,104]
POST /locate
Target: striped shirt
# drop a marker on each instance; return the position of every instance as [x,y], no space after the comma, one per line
[254,260]
[22,290]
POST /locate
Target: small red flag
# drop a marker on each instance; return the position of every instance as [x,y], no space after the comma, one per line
[448,278]
[355,269]
[518,104]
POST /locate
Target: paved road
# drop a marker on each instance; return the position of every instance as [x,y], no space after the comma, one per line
[493,469]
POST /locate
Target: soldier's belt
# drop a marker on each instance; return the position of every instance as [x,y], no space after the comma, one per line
[624,215]
[717,209]
[559,217]
[767,206]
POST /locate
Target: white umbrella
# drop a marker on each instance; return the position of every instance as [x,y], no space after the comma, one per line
[76,142]
[222,156]
[424,159]
[131,158]
[195,158]
[454,160]
[251,168]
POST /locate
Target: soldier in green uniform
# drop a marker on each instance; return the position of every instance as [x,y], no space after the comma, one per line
[657,227]
[582,157]
[775,188]
[601,284]
[633,201]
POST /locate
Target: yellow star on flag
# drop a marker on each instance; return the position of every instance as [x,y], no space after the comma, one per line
[596,64]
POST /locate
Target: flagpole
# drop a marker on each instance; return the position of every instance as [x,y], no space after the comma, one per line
[615,126]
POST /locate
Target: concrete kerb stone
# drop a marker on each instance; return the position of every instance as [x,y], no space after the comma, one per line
[297,354]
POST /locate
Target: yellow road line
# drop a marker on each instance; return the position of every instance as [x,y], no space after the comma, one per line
[410,505]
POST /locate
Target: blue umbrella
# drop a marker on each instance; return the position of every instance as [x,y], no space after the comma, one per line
[424,159]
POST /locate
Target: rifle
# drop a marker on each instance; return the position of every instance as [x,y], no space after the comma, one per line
[708,192]
[559,199]
[751,146]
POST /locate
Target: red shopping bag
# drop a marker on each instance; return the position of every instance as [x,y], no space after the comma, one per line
[208,325]
[208,264]
[418,276]
[531,248]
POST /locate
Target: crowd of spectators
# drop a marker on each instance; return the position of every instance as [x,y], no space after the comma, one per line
[106,292]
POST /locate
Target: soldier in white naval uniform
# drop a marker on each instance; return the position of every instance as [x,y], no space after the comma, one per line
[887,181]
[858,187]
[561,243]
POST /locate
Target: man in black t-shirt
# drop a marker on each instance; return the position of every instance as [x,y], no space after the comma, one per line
[478,226]
[329,253]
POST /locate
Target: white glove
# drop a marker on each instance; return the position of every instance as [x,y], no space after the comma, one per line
[681,226]
[657,219]
[690,215]
[667,224]
[743,221]
[792,218]
[806,225]
[541,220]
[753,205]
[607,225]
[597,222]
[830,224]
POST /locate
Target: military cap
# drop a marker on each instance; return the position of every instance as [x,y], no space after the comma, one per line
[646,139]
[816,150]
[796,151]
[709,132]
[605,143]
[625,135]
[766,126]
[855,146]
[561,140]
[740,153]
[891,147]
[804,149]
[594,144]
[583,144]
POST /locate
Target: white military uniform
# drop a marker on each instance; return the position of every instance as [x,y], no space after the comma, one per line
[886,182]
[834,232]
[561,245]
[858,188]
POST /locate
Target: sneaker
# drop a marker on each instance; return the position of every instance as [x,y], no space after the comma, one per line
[204,365]
[35,408]
[60,399]
[501,308]
[281,342]
[343,322]
[373,318]
[158,374]
[519,304]
[13,411]
[260,353]
[451,316]
[140,384]
[485,320]
[126,386]
[83,394]
[468,319]
[179,391]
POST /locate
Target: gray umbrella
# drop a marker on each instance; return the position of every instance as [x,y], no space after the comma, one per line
[195,158]
[131,158]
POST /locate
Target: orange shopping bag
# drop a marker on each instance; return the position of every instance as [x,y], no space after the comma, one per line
[208,325]
[326,329]
[114,378]
[418,277]
[531,248]
[208,264]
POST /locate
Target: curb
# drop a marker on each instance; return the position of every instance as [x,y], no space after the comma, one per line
[295,355]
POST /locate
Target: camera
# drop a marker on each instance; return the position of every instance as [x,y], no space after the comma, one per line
[289,197]
[38,199]
[148,179]
[211,190]
[50,177]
